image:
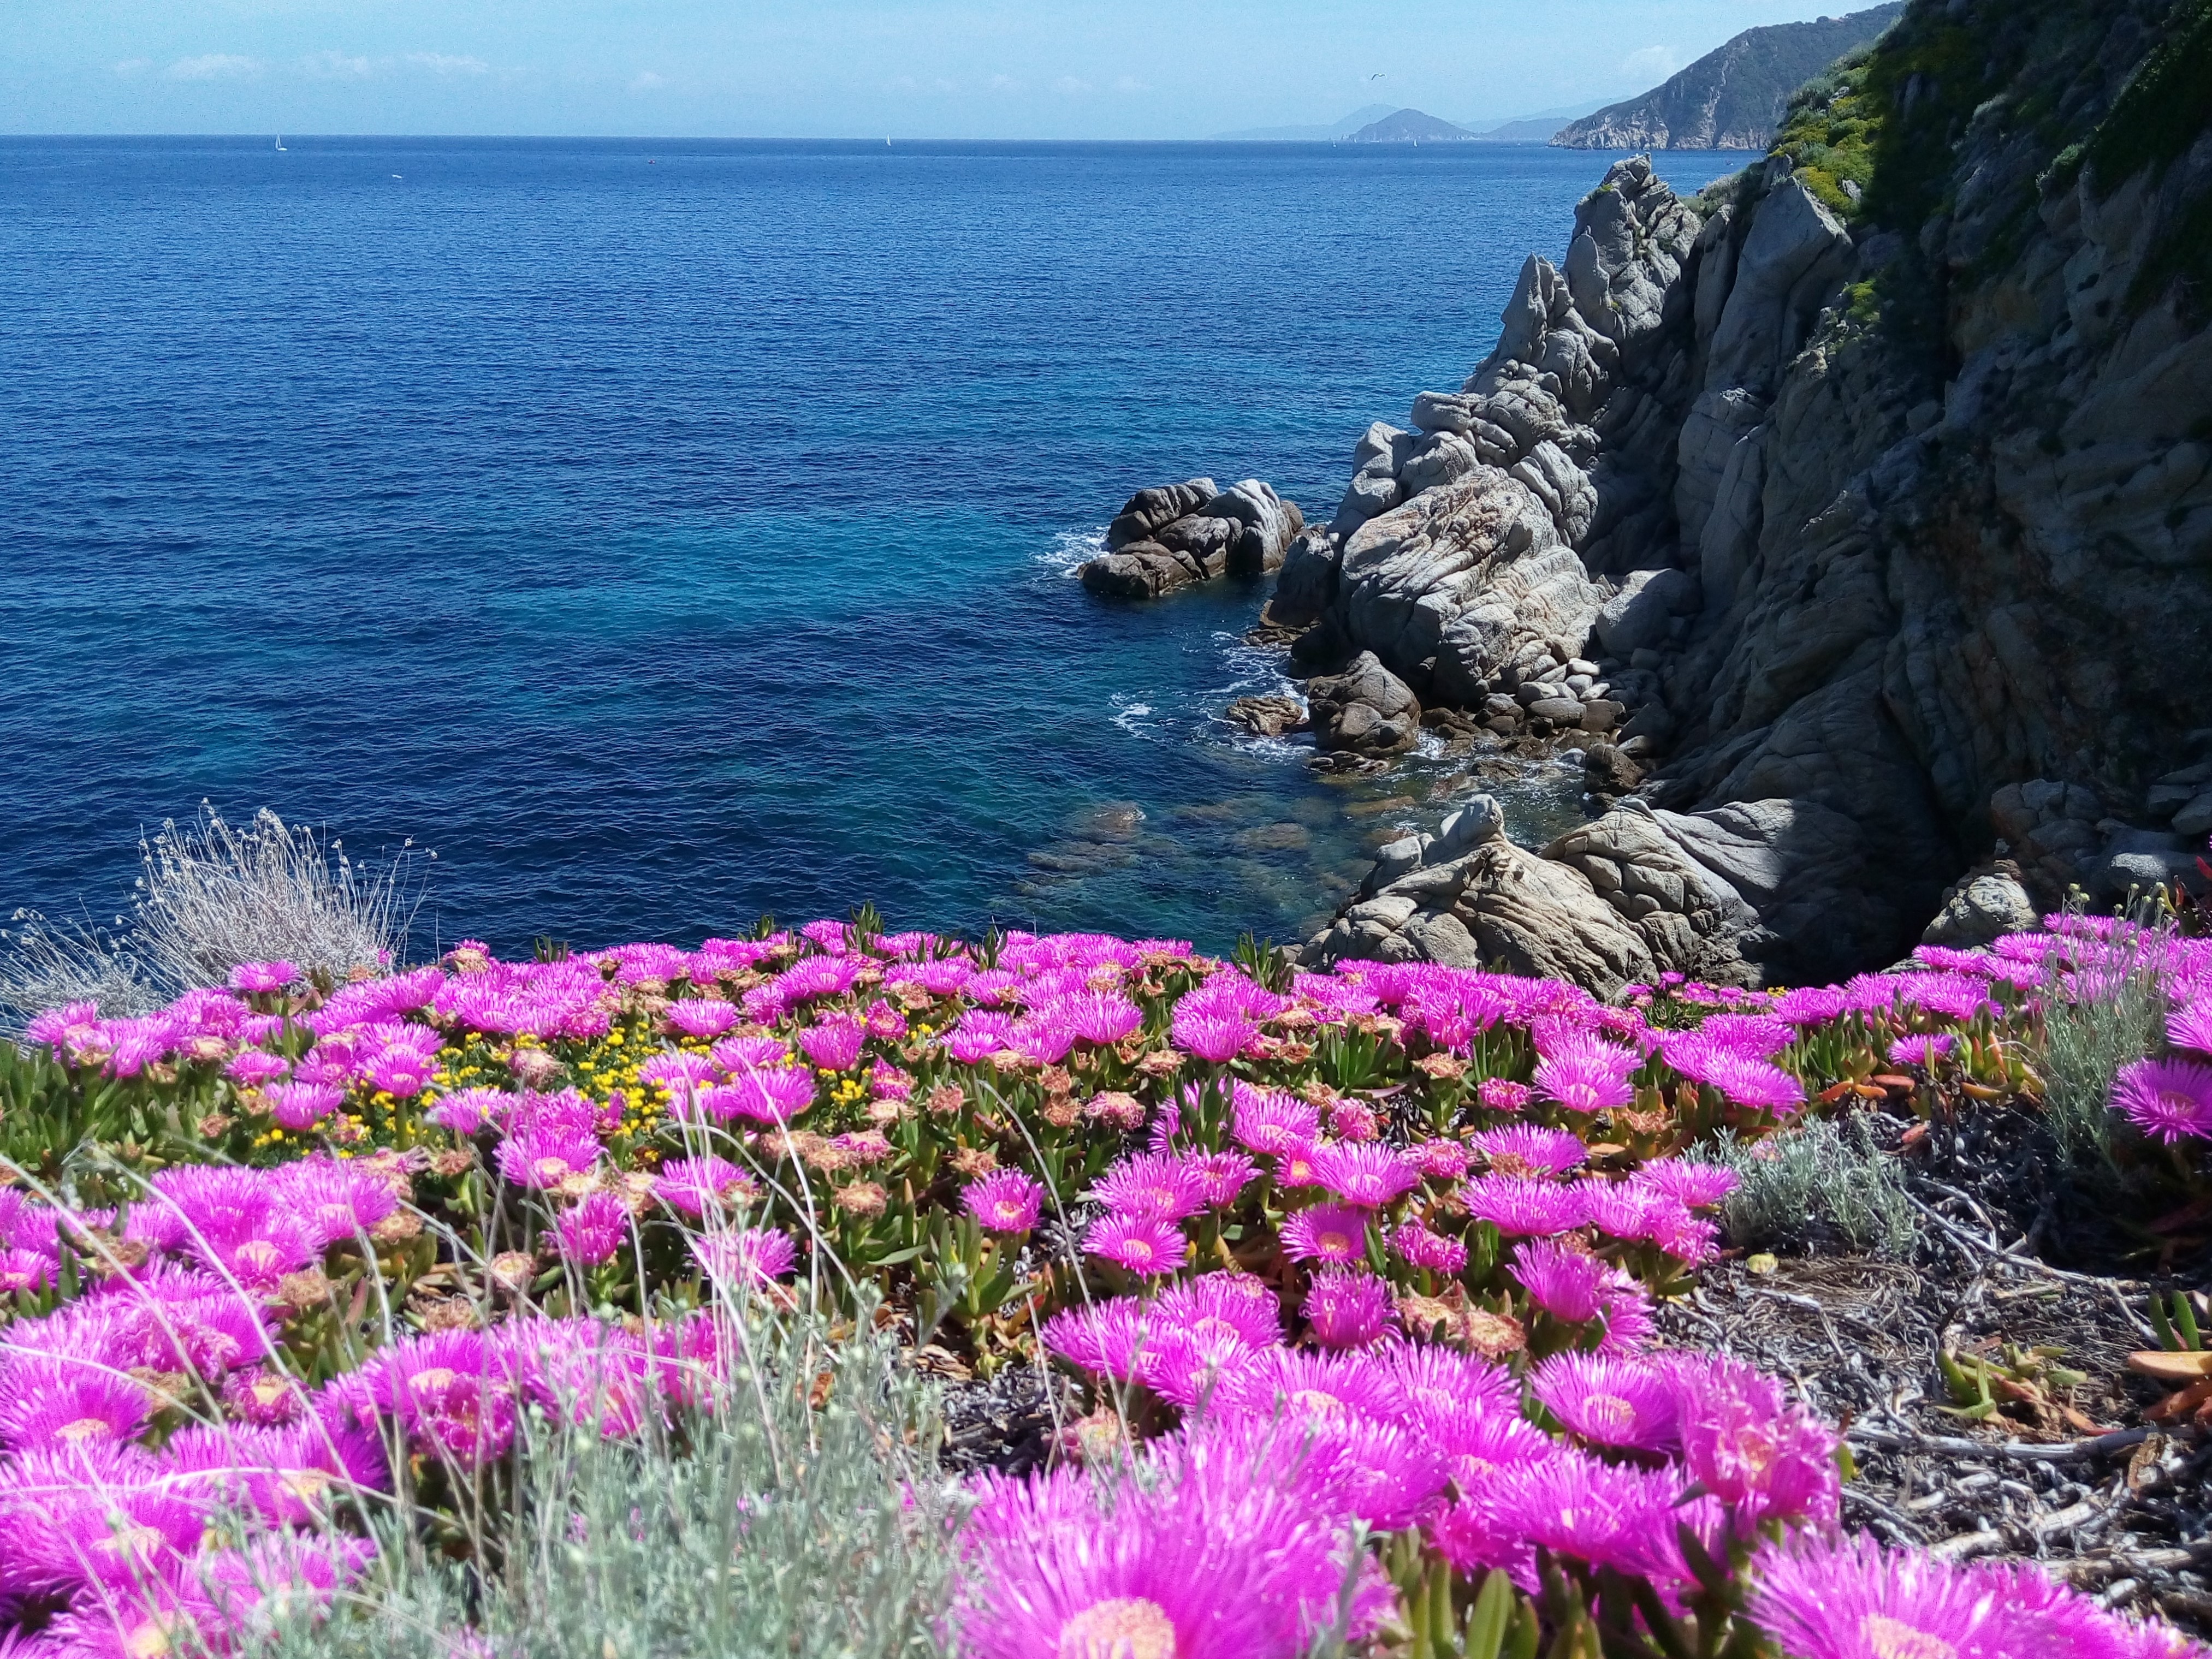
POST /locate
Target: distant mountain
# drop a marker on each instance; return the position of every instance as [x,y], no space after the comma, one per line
[1410,126]
[1731,98]
[1343,129]
[1536,127]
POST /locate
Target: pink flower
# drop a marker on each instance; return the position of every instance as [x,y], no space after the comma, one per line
[2191,1027]
[1748,1446]
[1145,1245]
[751,1258]
[469,1110]
[300,1106]
[704,1017]
[1608,1401]
[1005,1201]
[1267,1121]
[1212,1035]
[1240,1304]
[1848,1598]
[57,1401]
[1442,1160]
[1532,1149]
[1420,1248]
[545,1155]
[593,1229]
[1221,1176]
[1586,1074]
[1694,1185]
[1354,1120]
[1152,1186]
[833,1043]
[256,978]
[773,1094]
[1518,1205]
[696,1185]
[2167,1099]
[1369,1175]
[1106,1339]
[1345,1308]
[1503,1095]
[1920,1051]
[1100,1017]
[1581,1289]
[252,1068]
[1328,1232]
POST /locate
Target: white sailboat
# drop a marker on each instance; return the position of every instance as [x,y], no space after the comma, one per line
[280,144]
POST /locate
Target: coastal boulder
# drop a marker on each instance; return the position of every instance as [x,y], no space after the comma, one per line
[1174,535]
[1149,510]
[1366,709]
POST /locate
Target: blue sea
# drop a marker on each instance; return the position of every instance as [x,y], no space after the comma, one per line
[666,533]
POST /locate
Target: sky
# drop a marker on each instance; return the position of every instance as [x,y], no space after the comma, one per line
[924,68]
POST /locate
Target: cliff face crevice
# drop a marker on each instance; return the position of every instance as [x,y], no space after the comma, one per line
[1873,490]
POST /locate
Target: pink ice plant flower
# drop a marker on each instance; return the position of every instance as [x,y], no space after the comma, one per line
[1501,1094]
[1520,1206]
[703,1016]
[1924,1050]
[1578,1287]
[1333,1233]
[2190,1027]
[1551,1151]
[1848,1598]
[257,978]
[1609,1402]
[1347,1309]
[1270,1122]
[697,1185]
[593,1231]
[1417,1247]
[1152,1186]
[2167,1099]
[1691,1184]
[1005,1201]
[1587,1075]
[545,1155]
[834,1042]
[751,1258]
[1147,1246]
[1221,1176]
[1369,1175]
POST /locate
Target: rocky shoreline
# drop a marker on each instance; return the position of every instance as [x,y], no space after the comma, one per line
[1865,637]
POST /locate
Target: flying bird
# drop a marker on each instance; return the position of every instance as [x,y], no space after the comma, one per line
[1378,77]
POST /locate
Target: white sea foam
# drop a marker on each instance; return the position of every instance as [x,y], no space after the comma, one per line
[1072,548]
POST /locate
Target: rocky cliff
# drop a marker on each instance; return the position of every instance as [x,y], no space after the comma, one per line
[1733,97]
[1874,489]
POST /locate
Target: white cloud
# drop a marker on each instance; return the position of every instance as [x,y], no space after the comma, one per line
[1005,83]
[134,66]
[438,63]
[645,81]
[212,65]
[335,66]
[1130,83]
[1651,64]
[1069,85]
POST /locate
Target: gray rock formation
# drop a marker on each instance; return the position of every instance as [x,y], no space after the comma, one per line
[1984,907]
[1468,898]
[1366,709]
[1174,535]
[1889,540]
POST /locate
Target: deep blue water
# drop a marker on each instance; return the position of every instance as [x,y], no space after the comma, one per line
[667,532]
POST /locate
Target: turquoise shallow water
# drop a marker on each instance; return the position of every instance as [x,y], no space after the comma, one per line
[670,532]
